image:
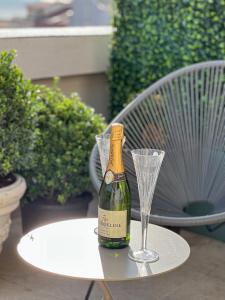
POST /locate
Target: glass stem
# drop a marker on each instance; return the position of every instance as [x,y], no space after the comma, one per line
[144,224]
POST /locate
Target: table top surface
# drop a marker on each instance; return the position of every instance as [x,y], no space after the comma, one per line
[70,248]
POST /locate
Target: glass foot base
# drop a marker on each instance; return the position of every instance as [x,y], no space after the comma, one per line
[143,256]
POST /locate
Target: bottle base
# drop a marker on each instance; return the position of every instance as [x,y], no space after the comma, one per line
[110,244]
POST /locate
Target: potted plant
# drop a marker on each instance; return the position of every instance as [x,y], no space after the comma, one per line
[58,181]
[16,137]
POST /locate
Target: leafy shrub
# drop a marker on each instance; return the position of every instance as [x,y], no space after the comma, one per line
[17,117]
[67,129]
[156,37]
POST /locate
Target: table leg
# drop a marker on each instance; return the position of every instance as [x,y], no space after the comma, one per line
[87,296]
[105,290]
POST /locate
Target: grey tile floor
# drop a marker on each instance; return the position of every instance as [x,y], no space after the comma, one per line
[201,278]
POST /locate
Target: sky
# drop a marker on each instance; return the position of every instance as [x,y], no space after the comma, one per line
[13,8]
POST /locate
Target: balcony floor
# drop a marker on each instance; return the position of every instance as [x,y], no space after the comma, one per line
[201,278]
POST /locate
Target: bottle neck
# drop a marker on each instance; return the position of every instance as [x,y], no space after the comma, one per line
[115,157]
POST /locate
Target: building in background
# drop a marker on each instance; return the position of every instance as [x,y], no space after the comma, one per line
[45,14]
[54,13]
[91,12]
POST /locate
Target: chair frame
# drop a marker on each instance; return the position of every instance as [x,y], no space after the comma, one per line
[159,219]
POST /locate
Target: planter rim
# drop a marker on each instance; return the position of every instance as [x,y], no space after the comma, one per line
[19,180]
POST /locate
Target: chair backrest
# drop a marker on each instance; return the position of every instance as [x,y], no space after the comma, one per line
[183,114]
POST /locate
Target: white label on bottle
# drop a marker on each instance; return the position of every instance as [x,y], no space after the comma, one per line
[112,224]
[109,177]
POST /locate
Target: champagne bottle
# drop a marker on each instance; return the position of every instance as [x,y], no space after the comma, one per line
[114,209]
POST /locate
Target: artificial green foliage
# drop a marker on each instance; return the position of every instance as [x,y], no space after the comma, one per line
[155,37]
[67,129]
[17,116]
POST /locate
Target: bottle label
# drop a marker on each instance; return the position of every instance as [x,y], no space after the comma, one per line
[112,224]
[119,177]
[111,177]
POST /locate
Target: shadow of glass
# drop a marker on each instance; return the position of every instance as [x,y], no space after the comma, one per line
[116,265]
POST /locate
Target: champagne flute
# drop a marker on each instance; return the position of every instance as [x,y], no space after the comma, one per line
[103,142]
[147,163]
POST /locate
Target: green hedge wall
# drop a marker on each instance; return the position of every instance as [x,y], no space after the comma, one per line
[155,37]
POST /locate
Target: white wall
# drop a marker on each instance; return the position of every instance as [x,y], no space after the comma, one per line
[79,55]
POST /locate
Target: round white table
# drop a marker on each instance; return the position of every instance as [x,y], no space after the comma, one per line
[70,248]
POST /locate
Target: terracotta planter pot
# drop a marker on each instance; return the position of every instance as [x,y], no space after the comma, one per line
[40,213]
[9,200]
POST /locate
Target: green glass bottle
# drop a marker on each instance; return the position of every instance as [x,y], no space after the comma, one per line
[114,209]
